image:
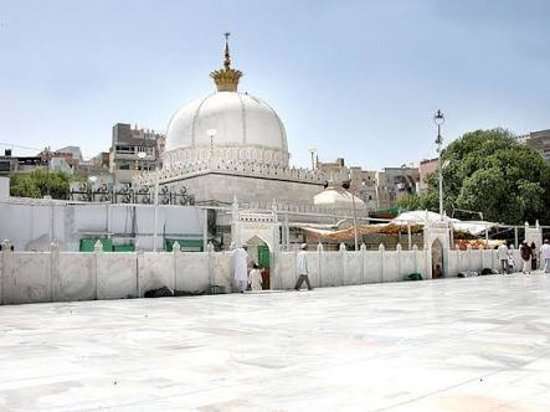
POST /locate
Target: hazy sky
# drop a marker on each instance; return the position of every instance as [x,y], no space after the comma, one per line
[356,79]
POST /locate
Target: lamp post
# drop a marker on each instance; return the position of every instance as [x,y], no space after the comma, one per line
[312,151]
[142,156]
[211,133]
[439,119]
[347,186]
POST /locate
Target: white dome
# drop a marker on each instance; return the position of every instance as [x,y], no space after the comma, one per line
[337,198]
[238,118]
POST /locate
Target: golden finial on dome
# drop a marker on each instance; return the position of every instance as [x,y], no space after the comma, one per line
[226,79]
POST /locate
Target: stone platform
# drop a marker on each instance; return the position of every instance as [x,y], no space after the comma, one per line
[475,344]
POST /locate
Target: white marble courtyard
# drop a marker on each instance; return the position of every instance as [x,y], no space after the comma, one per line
[477,344]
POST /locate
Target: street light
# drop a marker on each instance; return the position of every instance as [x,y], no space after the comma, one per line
[142,156]
[312,151]
[439,119]
[347,185]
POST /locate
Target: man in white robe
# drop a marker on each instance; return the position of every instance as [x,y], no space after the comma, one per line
[545,255]
[302,269]
[502,253]
[240,268]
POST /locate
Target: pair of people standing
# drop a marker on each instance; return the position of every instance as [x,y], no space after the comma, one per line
[529,256]
[242,263]
[245,271]
[506,259]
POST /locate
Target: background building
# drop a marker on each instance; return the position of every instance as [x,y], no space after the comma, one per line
[377,189]
[67,159]
[427,167]
[362,182]
[396,182]
[540,141]
[10,164]
[127,142]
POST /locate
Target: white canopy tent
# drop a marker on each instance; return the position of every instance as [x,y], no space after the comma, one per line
[421,217]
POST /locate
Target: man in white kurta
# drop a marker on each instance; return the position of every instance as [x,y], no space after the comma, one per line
[240,268]
[502,253]
[545,255]
[302,269]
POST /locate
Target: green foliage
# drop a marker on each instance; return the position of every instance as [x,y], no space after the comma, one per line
[490,172]
[23,186]
[428,200]
[40,183]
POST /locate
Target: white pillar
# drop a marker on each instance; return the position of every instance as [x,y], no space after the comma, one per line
[176,248]
[205,230]
[381,249]
[156,215]
[343,261]
[52,221]
[211,274]
[98,251]
[319,263]
[399,265]
[363,250]
[139,263]
[54,282]
[7,270]
[415,255]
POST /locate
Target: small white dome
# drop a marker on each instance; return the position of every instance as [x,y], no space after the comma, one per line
[337,198]
[238,118]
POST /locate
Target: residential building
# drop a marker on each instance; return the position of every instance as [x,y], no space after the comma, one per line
[60,164]
[427,167]
[396,182]
[539,141]
[127,144]
[361,182]
[71,155]
[10,164]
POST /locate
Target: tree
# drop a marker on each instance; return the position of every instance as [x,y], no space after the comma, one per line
[488,171]
[40,183]
[23,186]
[418,201]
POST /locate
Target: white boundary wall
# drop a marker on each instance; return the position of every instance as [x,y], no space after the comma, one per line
[475,260]
[341,268]
[27,277]
[53,276]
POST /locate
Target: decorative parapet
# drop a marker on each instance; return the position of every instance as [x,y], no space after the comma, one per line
[256,217]
[178,171]
[287,208]
[227,152]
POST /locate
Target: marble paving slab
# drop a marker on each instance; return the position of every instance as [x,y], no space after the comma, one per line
[474,344]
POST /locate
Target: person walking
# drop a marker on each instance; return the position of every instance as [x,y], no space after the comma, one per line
[511,259]
[526,252]
[545,255]
[240,269]
[502,253]
[302,269]
[255,278]
[534,256]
